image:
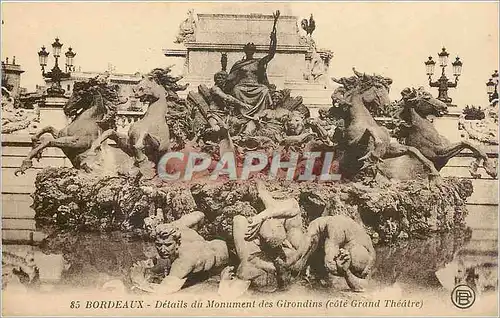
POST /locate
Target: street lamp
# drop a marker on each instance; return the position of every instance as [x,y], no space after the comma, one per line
[70,55]
[492,86]
[42,57]
[443,83]
[56,74]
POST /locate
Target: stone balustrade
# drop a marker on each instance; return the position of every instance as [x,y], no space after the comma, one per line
[125,118]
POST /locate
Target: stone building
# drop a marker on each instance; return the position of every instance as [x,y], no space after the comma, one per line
[11,76]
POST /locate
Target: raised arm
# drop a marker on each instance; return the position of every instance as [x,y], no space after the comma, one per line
[287,208]
[279,209]
[190,220]
[272,49]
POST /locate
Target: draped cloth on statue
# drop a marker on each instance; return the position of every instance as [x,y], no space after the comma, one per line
[247,81]
[257,95]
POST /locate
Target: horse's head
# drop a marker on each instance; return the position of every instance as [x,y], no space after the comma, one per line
[85,93]
[80,99]
[373,89]
[157,84]
[423,102]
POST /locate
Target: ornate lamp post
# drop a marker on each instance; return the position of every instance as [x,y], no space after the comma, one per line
[443,83]
[492,86]
[56,74]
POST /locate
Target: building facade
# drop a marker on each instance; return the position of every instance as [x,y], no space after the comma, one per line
[11,76]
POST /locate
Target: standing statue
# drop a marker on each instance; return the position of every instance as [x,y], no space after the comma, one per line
[247,80]
[187,251]
[368,143]
[420,133]
[148,139]
[89,105]
[187,29]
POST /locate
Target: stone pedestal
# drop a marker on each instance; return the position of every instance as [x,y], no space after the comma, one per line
[52,114]
[214,34]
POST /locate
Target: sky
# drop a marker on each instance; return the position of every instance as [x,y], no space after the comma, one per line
[389,38]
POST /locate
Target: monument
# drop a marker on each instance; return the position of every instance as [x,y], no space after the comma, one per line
[237,183]
[205,36]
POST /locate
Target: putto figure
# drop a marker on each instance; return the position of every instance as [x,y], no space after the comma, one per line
[187,251]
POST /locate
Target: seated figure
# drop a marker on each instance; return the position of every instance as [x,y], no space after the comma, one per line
[223,108]
[188,252]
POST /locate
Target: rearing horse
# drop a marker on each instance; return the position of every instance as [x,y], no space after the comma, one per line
[420,133]
[366,142]
[89,105]
[148,139]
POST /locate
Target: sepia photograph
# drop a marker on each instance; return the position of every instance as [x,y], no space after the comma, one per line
[197,158]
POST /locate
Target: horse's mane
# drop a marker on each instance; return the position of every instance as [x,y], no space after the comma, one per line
[362,81]
[162,77]
[414,94]
[86,90]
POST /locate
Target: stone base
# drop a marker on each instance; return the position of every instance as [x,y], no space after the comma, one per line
[447,126]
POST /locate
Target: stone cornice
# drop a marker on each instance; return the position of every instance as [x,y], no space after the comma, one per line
[12,68]
[175,52]
[198,46]
[253,16]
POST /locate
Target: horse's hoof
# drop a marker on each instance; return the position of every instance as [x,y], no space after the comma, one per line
[19,171]
[25,165]
[85,167]
[490,169]
[436,180]
[475,175]
[148,174]
[368,155]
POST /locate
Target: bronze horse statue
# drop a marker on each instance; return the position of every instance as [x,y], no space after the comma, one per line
[148,139]
[419,132]
[366,143]
[92,107]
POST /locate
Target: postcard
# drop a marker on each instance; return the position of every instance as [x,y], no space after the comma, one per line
[250,158]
